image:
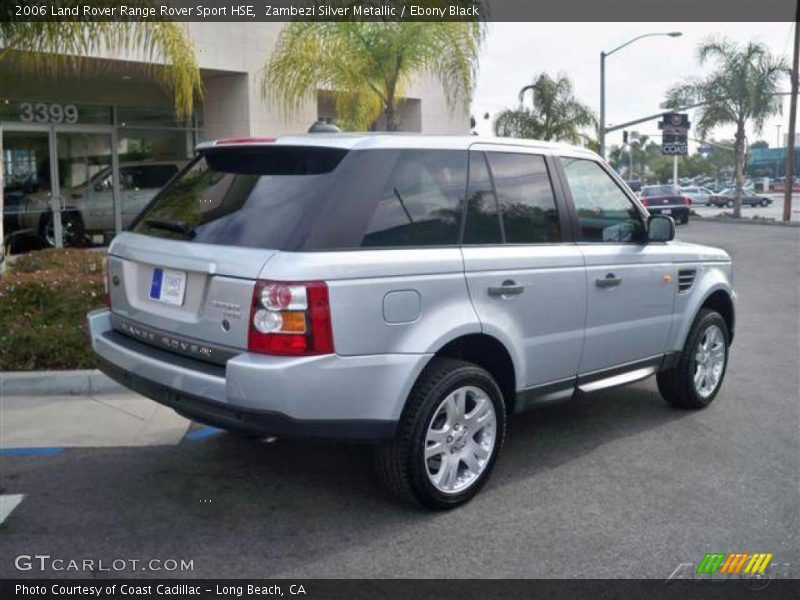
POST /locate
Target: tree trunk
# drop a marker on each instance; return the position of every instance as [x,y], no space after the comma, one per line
[739,172]
[391,116]
[790,151]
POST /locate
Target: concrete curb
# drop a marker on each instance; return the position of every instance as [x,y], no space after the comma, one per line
[745,221]
[61,383]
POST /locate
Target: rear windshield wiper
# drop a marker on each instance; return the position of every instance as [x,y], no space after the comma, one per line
[170,226]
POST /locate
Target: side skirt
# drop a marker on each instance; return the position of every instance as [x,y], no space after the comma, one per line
[592,382]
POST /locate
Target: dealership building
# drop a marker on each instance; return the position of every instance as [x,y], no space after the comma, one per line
[96,145]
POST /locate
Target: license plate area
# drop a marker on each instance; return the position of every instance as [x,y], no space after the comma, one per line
[168,286]
[666,211]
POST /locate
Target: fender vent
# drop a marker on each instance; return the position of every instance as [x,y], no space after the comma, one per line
[685,280]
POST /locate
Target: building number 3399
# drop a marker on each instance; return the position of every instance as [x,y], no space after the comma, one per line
[41,112]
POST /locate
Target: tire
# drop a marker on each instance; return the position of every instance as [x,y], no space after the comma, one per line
[764,202]
[677,385]
[73,230]
[685,219]
[401,463]
[730,203]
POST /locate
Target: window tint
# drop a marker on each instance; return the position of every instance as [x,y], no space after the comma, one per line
[483,221]
[526,198]
[605,213]
[420,204]
[243,197]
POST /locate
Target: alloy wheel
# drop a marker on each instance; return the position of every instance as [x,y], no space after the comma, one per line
[460,439]
[709,359]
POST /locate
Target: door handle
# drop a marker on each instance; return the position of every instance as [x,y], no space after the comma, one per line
[509,288]
[608,281]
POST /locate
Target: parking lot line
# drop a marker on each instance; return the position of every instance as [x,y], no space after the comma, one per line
[8,502]
[21,451]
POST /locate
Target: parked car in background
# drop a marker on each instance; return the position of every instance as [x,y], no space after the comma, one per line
[666,200]
[635,185]
[698,195]
[780,186]
[88,208]
[727,197]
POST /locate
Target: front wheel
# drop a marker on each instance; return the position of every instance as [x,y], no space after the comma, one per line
[730,203]
[764,202]
[73,232]
[696,379]
[448,438]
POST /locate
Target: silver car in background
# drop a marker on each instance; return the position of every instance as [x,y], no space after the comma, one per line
[408,291]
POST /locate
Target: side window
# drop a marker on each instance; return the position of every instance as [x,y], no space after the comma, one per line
[421,201]
[605,214]
[483,220]
[526,198]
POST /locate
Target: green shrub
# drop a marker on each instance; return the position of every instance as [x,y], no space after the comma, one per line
[44,298]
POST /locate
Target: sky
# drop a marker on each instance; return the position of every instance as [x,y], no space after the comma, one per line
[637,76]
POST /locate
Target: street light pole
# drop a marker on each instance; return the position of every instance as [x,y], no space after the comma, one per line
[603,55]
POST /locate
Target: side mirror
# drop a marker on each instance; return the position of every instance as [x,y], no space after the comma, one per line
[660,228]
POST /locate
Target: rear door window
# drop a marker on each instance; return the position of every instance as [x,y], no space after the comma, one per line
[525,194]
[421,201]
[483,217]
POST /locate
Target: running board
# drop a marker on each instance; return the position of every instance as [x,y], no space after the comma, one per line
[617,380]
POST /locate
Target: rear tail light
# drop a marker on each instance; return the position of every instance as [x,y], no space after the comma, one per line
[290,319]
[644,201]
[106,283]
[686,200]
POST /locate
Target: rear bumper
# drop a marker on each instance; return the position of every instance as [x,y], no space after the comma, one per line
[330,396]
[674,211]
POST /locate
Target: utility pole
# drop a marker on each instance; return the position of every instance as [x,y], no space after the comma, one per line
[790,151]
[675,172]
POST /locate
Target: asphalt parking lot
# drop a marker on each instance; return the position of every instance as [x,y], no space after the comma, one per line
[618,484]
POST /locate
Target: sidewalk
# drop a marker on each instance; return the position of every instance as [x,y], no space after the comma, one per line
[100,420]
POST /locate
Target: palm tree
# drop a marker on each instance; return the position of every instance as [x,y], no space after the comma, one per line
[369,65]
[65,45]
[742,90]
[555,114]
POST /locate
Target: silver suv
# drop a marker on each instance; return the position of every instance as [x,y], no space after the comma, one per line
[410,291]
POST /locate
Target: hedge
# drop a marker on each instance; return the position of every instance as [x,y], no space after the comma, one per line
[44,298]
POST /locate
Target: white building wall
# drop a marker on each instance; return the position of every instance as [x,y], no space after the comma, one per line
[244,48]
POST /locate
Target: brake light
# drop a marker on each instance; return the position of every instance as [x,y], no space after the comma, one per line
[290,319]
[644,201]
[686,200]
[244,140]
[106,283]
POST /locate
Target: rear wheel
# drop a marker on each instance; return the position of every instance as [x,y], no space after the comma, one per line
[449,437]
[729,203]
[764,202]
[685,219]
[696,379]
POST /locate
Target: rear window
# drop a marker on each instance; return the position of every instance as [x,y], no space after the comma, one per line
[658,190]
[252,197]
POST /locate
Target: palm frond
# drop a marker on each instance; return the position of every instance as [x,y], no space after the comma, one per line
[58,46]
[369,65]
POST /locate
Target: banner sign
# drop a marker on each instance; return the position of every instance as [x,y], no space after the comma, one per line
[675,140]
